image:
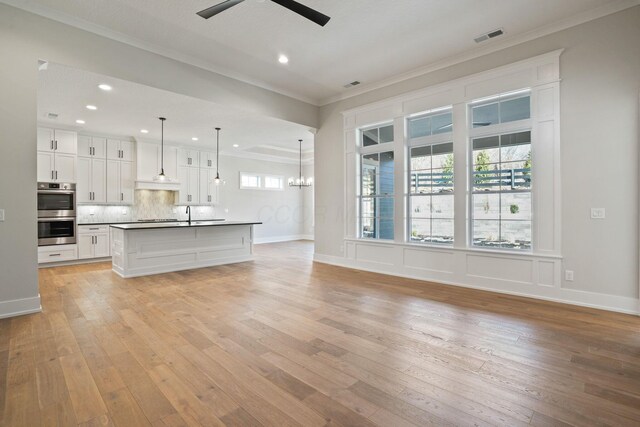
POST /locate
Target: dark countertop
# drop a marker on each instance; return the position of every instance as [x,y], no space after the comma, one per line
[138,222]
[179,224]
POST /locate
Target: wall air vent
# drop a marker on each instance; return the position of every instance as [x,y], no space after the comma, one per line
[489,35]
[352,84]
[52,116]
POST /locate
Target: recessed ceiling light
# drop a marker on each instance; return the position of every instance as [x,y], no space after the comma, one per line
[144,131]
[105,87]
[91,107]
[194,138]
[283,59]
[235,146]
[80,122]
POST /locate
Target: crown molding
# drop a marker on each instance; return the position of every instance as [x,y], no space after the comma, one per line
[494,46]
[84,25]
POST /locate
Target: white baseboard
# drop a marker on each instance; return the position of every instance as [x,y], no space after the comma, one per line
[277,239]
[74,262]
[18,307]
[600,301]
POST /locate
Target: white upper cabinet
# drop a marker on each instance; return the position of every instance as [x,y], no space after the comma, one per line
[119,150]
[56,155]
[188,157]
[57,140]
[207,159]
[189,180]
[92,146]
[208,189]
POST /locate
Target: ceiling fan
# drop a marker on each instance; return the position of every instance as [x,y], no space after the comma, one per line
[300,9]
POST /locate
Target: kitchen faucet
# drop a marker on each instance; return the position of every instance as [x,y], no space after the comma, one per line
[189,212]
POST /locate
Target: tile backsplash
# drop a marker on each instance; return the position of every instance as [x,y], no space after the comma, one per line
[147,204]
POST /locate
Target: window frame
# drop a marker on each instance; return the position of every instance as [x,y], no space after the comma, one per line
[262,178]
[523,125]
[362,151]
[423,141]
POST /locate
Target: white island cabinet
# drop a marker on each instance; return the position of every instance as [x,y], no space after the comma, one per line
[152,248]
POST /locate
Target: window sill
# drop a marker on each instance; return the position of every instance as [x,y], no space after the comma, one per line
[449,248]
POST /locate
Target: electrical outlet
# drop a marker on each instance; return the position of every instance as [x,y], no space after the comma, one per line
[92,211]
[568,275]
[124,211]
[1,215]
[597,213]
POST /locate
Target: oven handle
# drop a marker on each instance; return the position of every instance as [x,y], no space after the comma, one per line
[57,192]
[58,219]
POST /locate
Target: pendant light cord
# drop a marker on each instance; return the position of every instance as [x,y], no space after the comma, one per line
[217,152]
[162,119]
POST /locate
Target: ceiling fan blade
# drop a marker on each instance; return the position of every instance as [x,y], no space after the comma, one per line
[307,12]
[220,7]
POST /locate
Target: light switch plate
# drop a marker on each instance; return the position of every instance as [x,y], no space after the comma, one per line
[1,214]
[597,213]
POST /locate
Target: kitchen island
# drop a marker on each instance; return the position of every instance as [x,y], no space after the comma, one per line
[151,248]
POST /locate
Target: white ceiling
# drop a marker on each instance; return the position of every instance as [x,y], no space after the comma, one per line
[367,40]
[130,107]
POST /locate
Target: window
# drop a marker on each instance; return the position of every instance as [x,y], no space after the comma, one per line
[377,135]
[430,204]
[505,108]
[377,183]
[273,182]
[431,194]
[501,191]
[259,181]
[249,181]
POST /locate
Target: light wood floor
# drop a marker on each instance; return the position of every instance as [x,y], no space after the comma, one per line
[282,341]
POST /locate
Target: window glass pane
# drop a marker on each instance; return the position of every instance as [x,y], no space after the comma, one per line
[442,206]
[516,234]
[486,206]
[485,115]
[377,217]
[486,233]
[272,182]
[369,137]
[386,134]
[441,181]
[515,109]
[419,127]
[516,176]
[421,158]
[420,230]
[442,123]
[515,152]
[515,206]
[368,227]
[420,207]
[442,230]
[250,181]
[368,207]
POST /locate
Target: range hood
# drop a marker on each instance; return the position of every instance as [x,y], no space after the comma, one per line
[157,185]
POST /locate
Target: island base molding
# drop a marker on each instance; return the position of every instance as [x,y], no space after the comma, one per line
[527,275]
[154,251]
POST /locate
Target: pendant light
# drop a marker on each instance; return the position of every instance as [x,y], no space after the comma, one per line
[217,179]
[300,181]
[161,177]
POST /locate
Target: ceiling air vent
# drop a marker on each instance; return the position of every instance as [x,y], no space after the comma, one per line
[352,84]
[489,35]
[52,116]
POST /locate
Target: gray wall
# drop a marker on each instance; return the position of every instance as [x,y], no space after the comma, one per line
[24,39]
[600,71]
[282,213]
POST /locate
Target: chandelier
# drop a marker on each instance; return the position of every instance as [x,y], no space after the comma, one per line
[300,181]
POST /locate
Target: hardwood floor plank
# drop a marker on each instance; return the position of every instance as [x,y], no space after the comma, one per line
[283,341]
[85,397]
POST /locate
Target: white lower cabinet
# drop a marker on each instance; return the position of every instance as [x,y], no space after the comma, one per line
[93,241]
[57,253]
